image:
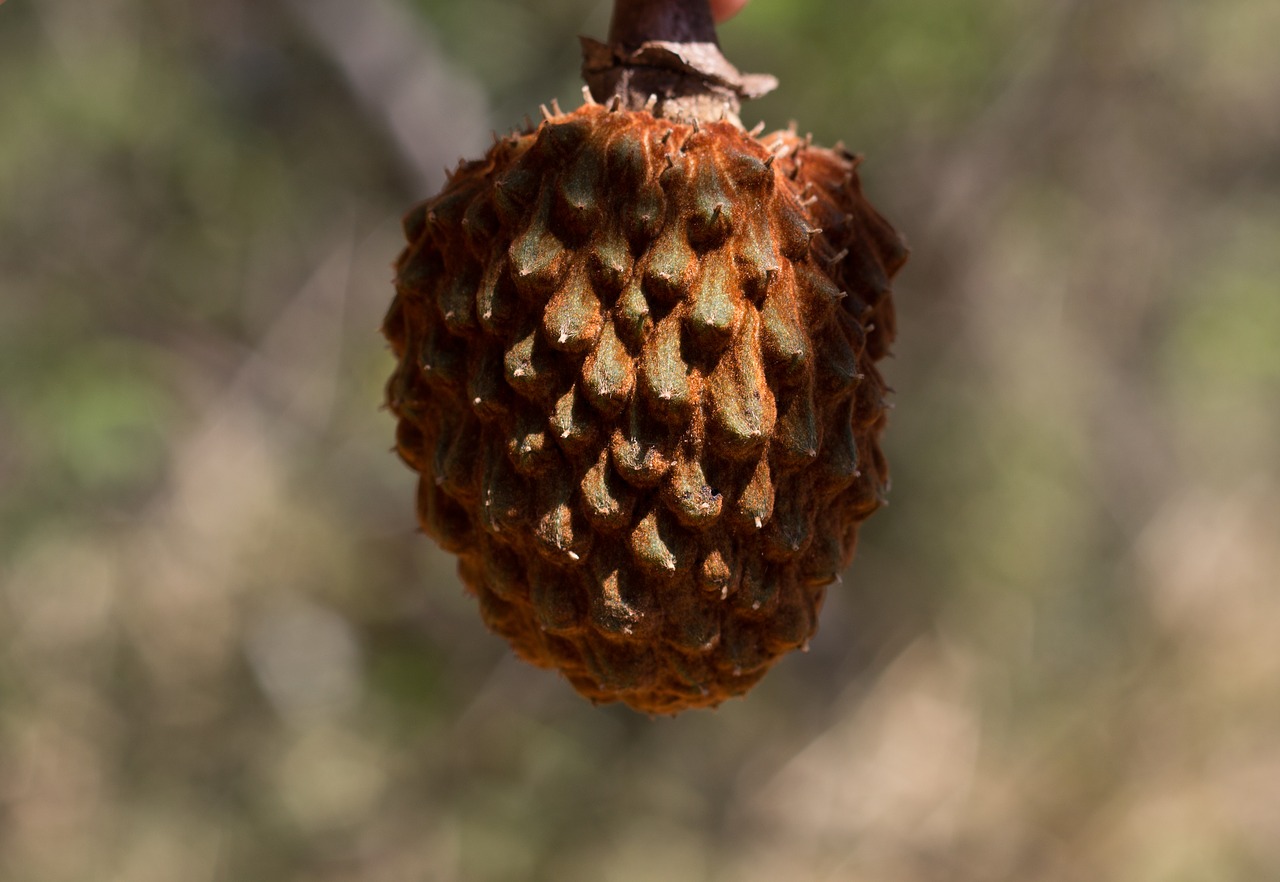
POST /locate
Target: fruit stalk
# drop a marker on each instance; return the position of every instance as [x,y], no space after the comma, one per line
[636,22]
[663,56]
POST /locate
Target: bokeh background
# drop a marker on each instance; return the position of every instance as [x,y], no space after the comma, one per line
[226,653]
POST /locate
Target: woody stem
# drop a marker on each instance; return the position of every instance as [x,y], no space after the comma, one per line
[636,22]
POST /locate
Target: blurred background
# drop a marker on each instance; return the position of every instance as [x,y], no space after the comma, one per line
[226,653]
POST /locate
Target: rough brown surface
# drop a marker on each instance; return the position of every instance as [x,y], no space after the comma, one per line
[637,378]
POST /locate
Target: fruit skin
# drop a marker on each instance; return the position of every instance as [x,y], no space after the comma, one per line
[637,379]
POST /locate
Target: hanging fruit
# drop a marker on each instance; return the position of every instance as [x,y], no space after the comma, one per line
[637,375]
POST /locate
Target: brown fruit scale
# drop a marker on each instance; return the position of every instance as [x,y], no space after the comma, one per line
[637,377]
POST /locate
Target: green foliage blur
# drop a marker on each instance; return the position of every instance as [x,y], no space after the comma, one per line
[227,654]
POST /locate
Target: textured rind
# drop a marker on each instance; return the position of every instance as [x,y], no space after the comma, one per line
[637,379]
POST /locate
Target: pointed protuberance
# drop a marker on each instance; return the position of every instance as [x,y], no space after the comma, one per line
[749,171]
[664,376]
[660,545]
[642,217]
[865,270]
[443,518]
[504,572]
[670,267]
[419,272]
[497,302]
[783,339]
[538,258]
[711,213]
[607,500]
[609,261]
[628,161]
[755,257]
[716,573]
[608,374]
[837,362]
[824,559]
[557,602]
[696,671]
[744,651]
[530,367]
[758,592]
[411,446]
[622,604]
[888,242]
[754,506]
[688,495]
[503,495]
[628,165]
[443,359]
[414,223]
[404,392]
[529,449]
[557,142]
[445,213]
[743,411]
[817,292]
[794,230]
[693,622]
[632,315]
[792,622]
[572,319]
[395,325]
[637,451]
[454,465]
[479,225]
[573,424]
[837,465]
[486,386]
[791,529]
[716,308]
[579,199]
[561,534]
[869,401]
[798,435]
[455,298]
[620,666]
[515,191]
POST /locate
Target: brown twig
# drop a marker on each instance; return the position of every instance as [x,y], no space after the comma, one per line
[636,22]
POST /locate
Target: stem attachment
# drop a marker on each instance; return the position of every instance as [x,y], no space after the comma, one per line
[668,49]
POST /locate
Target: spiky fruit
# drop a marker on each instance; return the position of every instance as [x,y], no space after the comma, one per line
[637,378]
